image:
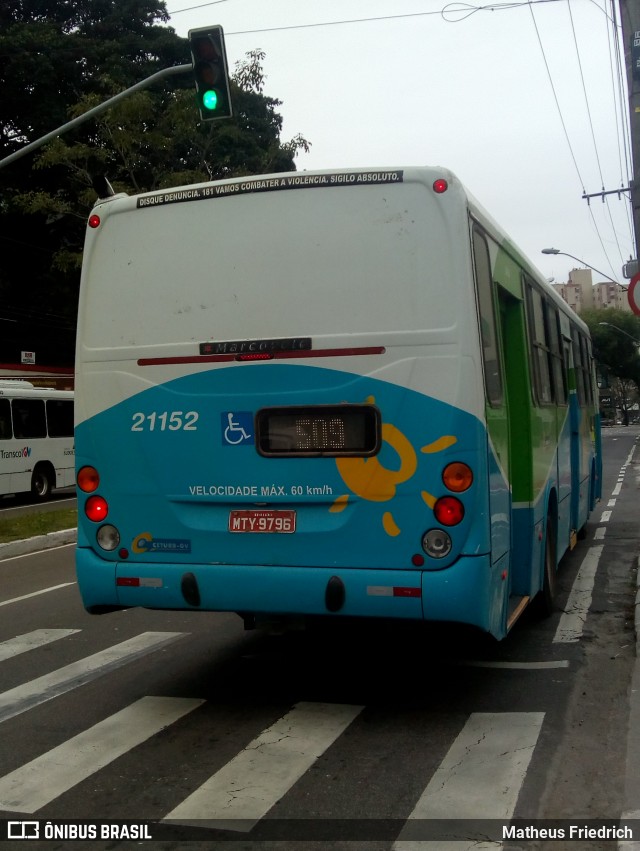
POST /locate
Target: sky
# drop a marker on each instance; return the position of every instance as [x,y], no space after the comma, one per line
[522,101]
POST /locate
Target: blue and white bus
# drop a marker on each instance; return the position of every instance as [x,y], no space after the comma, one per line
[339,393]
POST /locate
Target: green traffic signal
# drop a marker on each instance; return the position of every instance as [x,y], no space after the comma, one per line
[210,99]
[210,72]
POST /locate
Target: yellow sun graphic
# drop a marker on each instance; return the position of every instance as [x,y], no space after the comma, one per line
[370,480]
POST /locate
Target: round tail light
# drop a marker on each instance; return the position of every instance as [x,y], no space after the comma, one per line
[436,543]
[457,477]
[449,511]
[96,508]
[88,479]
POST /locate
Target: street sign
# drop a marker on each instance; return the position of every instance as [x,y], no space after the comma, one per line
[633,294]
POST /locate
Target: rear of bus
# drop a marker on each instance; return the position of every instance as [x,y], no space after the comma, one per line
[280,404]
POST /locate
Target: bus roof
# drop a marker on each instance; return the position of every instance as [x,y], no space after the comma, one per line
[25,390]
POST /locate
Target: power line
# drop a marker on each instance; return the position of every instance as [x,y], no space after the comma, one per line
[462,10]
[593,137]
[584,90]
[568,140]
[555,97]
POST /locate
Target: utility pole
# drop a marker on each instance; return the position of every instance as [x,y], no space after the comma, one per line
[630,20]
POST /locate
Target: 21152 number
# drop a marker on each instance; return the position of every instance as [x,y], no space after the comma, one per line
[167,420]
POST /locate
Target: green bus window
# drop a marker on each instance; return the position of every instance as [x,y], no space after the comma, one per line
[577,366]
[558,373]
[484,285]
[539,345]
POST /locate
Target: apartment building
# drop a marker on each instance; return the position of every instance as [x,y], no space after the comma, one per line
[580,293]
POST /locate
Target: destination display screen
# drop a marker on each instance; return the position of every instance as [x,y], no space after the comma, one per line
[329,430]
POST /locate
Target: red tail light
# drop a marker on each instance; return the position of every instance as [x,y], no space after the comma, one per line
[457,477]
[449,511]
[96,508]
[88,479]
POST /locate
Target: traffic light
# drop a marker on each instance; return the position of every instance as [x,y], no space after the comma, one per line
[210,72]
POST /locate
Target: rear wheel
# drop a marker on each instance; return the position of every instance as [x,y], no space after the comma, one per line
[41,484]
[547,596]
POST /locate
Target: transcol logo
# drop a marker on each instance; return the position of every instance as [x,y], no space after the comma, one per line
[25,452]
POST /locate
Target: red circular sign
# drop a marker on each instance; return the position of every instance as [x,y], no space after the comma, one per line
[633,294]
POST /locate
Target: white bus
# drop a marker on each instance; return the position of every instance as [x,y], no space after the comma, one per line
[37,451]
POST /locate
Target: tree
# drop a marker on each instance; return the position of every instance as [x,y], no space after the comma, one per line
[613,333]
[617,355]
[57,60]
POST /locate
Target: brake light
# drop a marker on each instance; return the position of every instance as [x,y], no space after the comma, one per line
[440,185]
[88,479]
[96,508]
[94,221]
[457,477]
[449,511]
[255,356]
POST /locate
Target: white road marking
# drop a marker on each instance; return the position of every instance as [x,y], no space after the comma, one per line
[479,778]
[244,790]
[40,781]
[35,593]
[573,618]
[24,697]
[31,640]
[37,553]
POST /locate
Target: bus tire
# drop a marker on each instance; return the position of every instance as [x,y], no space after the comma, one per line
[547,595]
[41,482]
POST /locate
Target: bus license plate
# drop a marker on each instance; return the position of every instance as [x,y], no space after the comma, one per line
[265,521]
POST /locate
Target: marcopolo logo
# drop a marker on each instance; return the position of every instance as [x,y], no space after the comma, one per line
[25,452]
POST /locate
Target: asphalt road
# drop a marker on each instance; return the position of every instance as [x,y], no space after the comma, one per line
[156,715]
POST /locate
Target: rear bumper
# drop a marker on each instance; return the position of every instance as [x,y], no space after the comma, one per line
[469,591]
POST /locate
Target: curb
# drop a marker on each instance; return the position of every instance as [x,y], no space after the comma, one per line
[40,542]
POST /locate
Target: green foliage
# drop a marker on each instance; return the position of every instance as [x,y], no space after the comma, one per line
[31,525]
[58,60]
[613,342]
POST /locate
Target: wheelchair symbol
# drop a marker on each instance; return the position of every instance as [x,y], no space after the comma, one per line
[238,428]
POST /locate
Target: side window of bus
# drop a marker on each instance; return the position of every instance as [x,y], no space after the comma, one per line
[557,361]
[540,350]
[577,366]
[59,418]
[484,283]
[585,364]
[5,419]
[28,418]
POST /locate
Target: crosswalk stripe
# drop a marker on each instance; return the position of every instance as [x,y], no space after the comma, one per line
[244,790]
[26,696]
[30,640]
[480,776]
[40,781]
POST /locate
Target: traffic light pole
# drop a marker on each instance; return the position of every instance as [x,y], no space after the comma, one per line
[76,122]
